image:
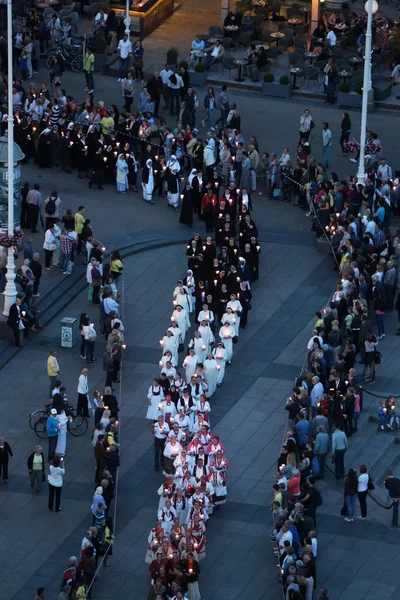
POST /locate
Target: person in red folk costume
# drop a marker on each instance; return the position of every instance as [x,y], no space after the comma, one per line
[166,491]
[214,446]
[218,477]
[166,515]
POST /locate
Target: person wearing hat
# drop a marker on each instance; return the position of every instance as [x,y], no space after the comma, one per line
[52,426]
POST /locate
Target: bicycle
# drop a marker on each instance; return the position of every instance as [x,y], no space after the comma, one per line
[70,55]
[77,426]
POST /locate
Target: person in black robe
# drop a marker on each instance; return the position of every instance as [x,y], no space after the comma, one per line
[245,297]
[216,183]
[27,142]
[187,206]
[233,252]
[65,152]
[24,218]
[248,255]
[223,299]
[83,161]
[132,168]
[43,157]
[196,188]
[256,249]
[97,177]
[110,164]
[233,280]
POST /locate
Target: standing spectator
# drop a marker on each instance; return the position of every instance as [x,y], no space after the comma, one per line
[125,51]
[175,84]
[53,371]
[52,432]
[79,222]
[5,453]
[66,247]
[362,489]
[34,202]
[138,52]
[326,143]
[127,91]
[321,447]
[99,451]
[36,466]
[89,69]
[49,245]
[339,447]
[15,322]
[345,130]
[55,479]
[83,390]
[108,366]
[350,494]
[54,26]
[37,270]
[165,74]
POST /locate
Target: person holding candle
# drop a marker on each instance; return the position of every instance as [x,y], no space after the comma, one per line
[199,346]
[181,317]
[220,356]
[203,407]
[155,397]
[148,181]
[191,571]
[168,409]
[189,365]
[183,299]
[227,333]
[211,372]
[170,342]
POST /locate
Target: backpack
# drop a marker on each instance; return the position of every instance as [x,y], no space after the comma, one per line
[318,497]
[51,206]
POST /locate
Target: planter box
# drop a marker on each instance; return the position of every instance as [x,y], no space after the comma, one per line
[350,100]
[276,90]
[197,78]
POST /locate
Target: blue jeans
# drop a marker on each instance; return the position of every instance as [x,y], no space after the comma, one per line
[339,463]
[209,118]
[67,258]
[380,323]
[175,96]
[123,67]
[326,150]
[351,505]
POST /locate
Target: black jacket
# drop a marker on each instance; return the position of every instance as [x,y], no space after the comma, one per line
[29,464]
[5,452]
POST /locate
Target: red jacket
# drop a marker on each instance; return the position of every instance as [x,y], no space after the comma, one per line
[209,204]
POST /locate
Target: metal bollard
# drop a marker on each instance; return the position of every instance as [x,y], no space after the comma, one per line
[395,516]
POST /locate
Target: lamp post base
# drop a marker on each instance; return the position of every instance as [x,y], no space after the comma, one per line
[10,293]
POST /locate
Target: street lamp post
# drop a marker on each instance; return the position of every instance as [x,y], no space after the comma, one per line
[371,6]
[10,292]
[127,21]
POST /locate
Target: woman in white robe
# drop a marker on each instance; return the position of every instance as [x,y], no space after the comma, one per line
[166,516]
[199,346]
[181,318]
[206,315]
[170,342]
[226,333]
[190,364]
[183,299]
[168,410]
[206,335]
[148,182]
[180,504]
[122,175]
[191,287]
[62,433]
[229,317]
[179,286]
[219,354]
[211,373]
[237,309]
[167,358]
[155,397]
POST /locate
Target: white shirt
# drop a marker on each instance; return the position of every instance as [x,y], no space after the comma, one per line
[109,305]
[83,384]
[56,476]
[177,85]
[311,341]
[332,38]
[165,75]
[326,137]
[363,482]
[125,48]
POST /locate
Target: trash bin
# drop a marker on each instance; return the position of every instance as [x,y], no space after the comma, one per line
[68,332]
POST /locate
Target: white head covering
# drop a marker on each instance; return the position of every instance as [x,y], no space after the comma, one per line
[193,174]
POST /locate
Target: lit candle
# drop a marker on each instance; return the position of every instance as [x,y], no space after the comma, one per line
[123,346]
[160,363]
[162,342]
[203,347]
[233,320]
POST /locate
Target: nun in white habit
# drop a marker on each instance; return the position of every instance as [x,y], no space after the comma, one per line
[237,309]
[170,342]
[189,365]
[167,358]
[229,317]
[173,183]
[219,354]
[176,332]
[148,181]
[183,299]
[122,175]
[179,286]
[211,373]
[199,346]
[181,318]
[206,334]
[173,164]
[191,287]
[226,333]
[206,315]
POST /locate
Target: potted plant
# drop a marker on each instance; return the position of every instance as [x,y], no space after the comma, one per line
[172,56]
[348,98]
[198,75]
[276,90]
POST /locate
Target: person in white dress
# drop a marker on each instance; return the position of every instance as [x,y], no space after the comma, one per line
[237,309]
[206,315]
[203,408]
[226,333]
[199,346]
[183,299]
[62,433]
[148,182]
[167,358]
[179,286]
[166,516]
[190,364]
[229,317]
[155,397]
[206,334]
[211,373]
[170,342]
[191,286]
[169,371]
[180,504]
[168,409]
[219,354]
[181,318]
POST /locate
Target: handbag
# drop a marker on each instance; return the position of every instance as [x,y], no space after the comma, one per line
[371,485]
[277,193]
[378,357]
[344,510]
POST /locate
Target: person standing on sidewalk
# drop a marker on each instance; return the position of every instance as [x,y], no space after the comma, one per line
[326,143]
[321,447]
[34,202]
[83,390]
[37,270]
[339,447]
[5,453]
[89,69]
[55,479]
[350,494]
[125,51]
[53,371]
[35,466]
[362,489]
[52,432]
[49,245]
